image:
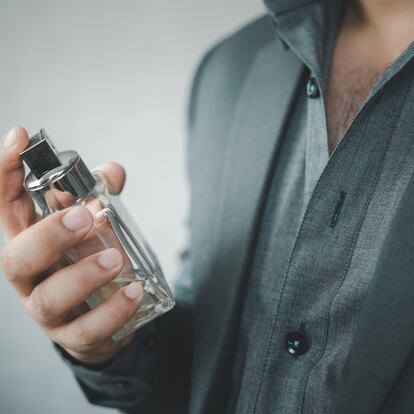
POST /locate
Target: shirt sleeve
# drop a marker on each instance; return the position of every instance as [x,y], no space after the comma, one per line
[124,382]
[150,375]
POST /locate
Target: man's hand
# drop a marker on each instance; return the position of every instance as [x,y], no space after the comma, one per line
[55,297]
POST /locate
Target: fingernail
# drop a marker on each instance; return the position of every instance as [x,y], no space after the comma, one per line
[110,258]
[77,218]
[11,139]
[133,291]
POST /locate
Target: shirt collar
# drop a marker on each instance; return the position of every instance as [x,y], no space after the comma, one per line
[278,7]
[308,27]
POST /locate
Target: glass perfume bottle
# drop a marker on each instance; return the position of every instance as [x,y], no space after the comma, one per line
[58,180]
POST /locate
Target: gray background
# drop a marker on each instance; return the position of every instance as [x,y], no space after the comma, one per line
[109,79]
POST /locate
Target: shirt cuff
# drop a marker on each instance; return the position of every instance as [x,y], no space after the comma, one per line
[124,382]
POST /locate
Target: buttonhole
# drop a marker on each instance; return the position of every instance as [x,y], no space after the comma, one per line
[338,208]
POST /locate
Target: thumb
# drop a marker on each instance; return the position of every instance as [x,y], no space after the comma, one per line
[17,210]
[115,176]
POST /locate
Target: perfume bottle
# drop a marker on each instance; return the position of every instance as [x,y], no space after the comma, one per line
[58,180]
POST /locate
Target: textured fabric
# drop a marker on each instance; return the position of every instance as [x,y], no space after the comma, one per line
[316,281]
[237,178]
[157,359]
[347,274]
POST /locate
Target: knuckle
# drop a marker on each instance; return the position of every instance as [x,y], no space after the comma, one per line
[39,307]
[12,266]
[84,336]
[46,235]
[118,314]
[88,274]
[83,278]
[62,336]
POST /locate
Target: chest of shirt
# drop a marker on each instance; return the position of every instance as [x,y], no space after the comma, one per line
[316,280]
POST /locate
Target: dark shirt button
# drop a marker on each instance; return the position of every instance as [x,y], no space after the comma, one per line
[296,343]
[150,343]
[312,88]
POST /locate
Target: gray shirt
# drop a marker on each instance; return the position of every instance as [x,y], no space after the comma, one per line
[333,261]
[324,223]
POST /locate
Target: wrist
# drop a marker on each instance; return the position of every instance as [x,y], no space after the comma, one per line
[96,358]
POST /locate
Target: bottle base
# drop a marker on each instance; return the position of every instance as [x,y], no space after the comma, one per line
[155,302]
[142,317]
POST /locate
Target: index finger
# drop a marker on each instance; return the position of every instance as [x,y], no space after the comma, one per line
[16,207]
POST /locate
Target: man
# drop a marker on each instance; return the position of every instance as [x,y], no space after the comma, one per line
[298,287]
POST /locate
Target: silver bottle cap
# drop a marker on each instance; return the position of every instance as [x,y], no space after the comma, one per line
[56,179]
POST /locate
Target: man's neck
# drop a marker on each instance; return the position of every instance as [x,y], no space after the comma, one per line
[372,35]
[383,14]
[390,23]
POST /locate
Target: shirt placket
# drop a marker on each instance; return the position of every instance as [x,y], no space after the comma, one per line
[323,249]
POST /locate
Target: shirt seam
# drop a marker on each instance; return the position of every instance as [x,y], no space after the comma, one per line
[346,271]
